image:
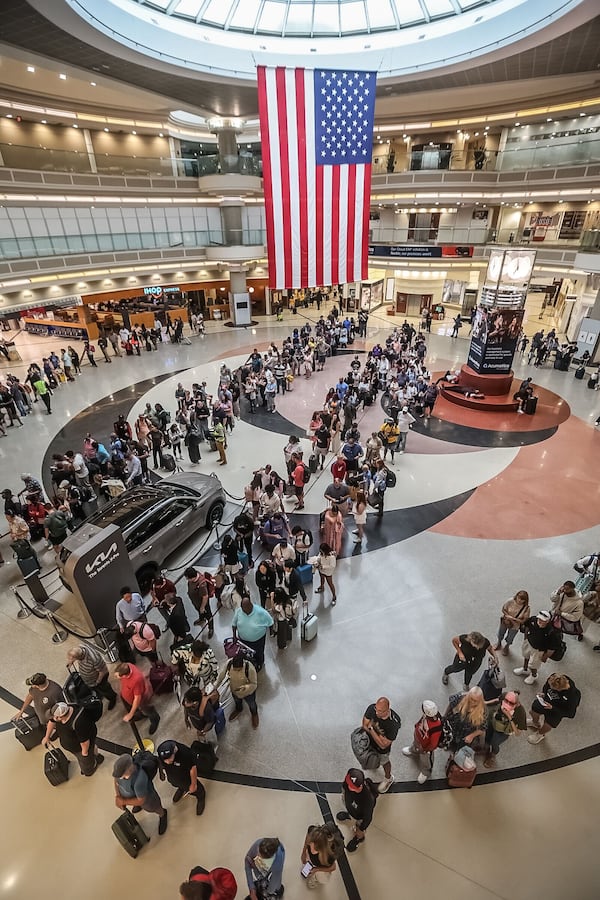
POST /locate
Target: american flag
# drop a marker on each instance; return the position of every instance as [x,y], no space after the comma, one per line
[317,137]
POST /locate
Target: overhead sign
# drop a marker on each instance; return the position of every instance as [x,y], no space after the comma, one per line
[408,251]
[157,290]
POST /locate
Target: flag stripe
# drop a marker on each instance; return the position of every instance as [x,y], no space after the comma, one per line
[285,177]
[309,107]
[363,261]
[344,201]
[335,221]
[295,187]
[350,244]
[318,231]
[268,183]
[276,175]
[302,176]
[325,247]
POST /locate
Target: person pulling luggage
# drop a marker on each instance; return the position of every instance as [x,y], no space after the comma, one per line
[177,765]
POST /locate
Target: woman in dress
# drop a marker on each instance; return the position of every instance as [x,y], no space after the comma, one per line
[333,528]
[336,434]
[359,511]
[325,564]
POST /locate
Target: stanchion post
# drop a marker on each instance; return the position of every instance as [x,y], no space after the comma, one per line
[217,543]
[24,611]
[60,635]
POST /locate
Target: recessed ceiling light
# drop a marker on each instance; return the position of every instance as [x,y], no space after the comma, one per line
[9,116]
[31,68]
[582,114]
[93,83]
[487,128]
[162,135]
[44,121]
[106,129]
[134,132]
[517,124]
[62,76]
[75,126]
[548,120]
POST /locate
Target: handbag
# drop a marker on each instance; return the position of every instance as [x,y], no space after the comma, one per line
[362,749]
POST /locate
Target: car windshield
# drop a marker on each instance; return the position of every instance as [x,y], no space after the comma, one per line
[126,508]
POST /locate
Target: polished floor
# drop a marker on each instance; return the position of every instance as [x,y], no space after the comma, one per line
[477,513]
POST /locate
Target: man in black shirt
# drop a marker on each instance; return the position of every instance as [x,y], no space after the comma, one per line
[177,763]
[540,640]
[243,525]
[382,725]
[76,730]
[360,797]
[470,651]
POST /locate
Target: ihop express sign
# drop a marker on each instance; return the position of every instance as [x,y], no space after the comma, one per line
[157,290]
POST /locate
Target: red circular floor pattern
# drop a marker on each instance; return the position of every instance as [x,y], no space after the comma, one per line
[552,411]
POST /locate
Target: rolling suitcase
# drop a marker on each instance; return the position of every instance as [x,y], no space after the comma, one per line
[129,833]
[458,777]
[29,731]
[56,767]
[305,573]
[579,373]
[75,689]
[312,463]
[283,634]
[531,406]
[309,625]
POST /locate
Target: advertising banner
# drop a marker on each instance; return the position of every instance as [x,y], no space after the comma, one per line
[494,340]
[401,251]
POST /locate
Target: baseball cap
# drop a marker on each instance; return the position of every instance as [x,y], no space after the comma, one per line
[405,409]
[544,615]
[122,765]
[509,702]
[60,709]
[429,708]
[36,680]
[354,780]
[166,750]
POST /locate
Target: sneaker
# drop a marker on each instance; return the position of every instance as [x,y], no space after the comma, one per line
[255,720]
[384,786]
[343,816]
[531,679]
[521,671]
[422,777]
[99,759]
[466,687]
[154,725]
[162,823]
[536,738]
[407,751]
[178,795]
[112,703]
[352,844]
[596,648]
[445,679]
[489,762]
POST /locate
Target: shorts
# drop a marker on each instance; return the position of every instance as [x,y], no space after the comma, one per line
[299,491]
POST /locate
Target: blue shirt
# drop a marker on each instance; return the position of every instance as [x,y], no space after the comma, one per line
[252,627]
[130,612]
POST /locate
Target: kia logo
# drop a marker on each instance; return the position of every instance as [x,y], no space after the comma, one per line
[100,559]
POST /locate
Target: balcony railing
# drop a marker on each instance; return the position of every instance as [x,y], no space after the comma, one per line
[23,248]
[588,240]
[548,154]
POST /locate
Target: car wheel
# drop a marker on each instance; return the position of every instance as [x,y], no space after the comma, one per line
[145,575]
[215,514]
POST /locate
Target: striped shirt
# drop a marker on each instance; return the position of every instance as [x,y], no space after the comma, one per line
[92,665]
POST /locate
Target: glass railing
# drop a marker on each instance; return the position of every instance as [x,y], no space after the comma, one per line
[20,248]
[588,240]
[548,154]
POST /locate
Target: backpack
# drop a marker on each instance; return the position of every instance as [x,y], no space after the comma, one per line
[557,655]
[361,747]
[146,761]
[390,479]
[428,740]
[447,734]
[501,722]
[306,475]
[210,584]
[222,882]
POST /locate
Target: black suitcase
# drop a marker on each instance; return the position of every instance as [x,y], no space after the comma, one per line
[168,462]
[592,382]
[75,688]
[29,731]
[312,463]
[531,406]
[283,634]
[579,373]
[206,757]
[129,833]
[56,767]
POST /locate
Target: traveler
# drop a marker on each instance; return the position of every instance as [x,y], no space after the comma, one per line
[558,699]
[198,712]
[44,694]
[404,422]
[298,477]
[243,683]
[196,662]
[218,884]
[379,483]
[76,730]
[332,528]
[93,670]
[325,564]
[509,718]
[302,542]
[243,525]
[56,528]
[266,582]
[470,652]
[162,589]
[382,725]
[134,788]
[360,516]
[178,765]
[567,609]
[264,869]
[465,719]
[360,796]
[136,695]
[292,582]
[135,475]
[427,737]
[515,613]
[176,619]
[220,439]
[540,640]
[41,390]
[250,623]
[130,608]
[388,433]
[323,845]
[199,595]
[143,636]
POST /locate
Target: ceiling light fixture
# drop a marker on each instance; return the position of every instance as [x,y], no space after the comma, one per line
[62,76]
[31,68]
[134,132]
[92,84]
[107,129]
[44,121]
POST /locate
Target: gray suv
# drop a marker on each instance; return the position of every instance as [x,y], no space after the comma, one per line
[156,519]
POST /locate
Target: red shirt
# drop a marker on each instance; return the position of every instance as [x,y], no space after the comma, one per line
[298,475]
[338,469]
[134,685]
